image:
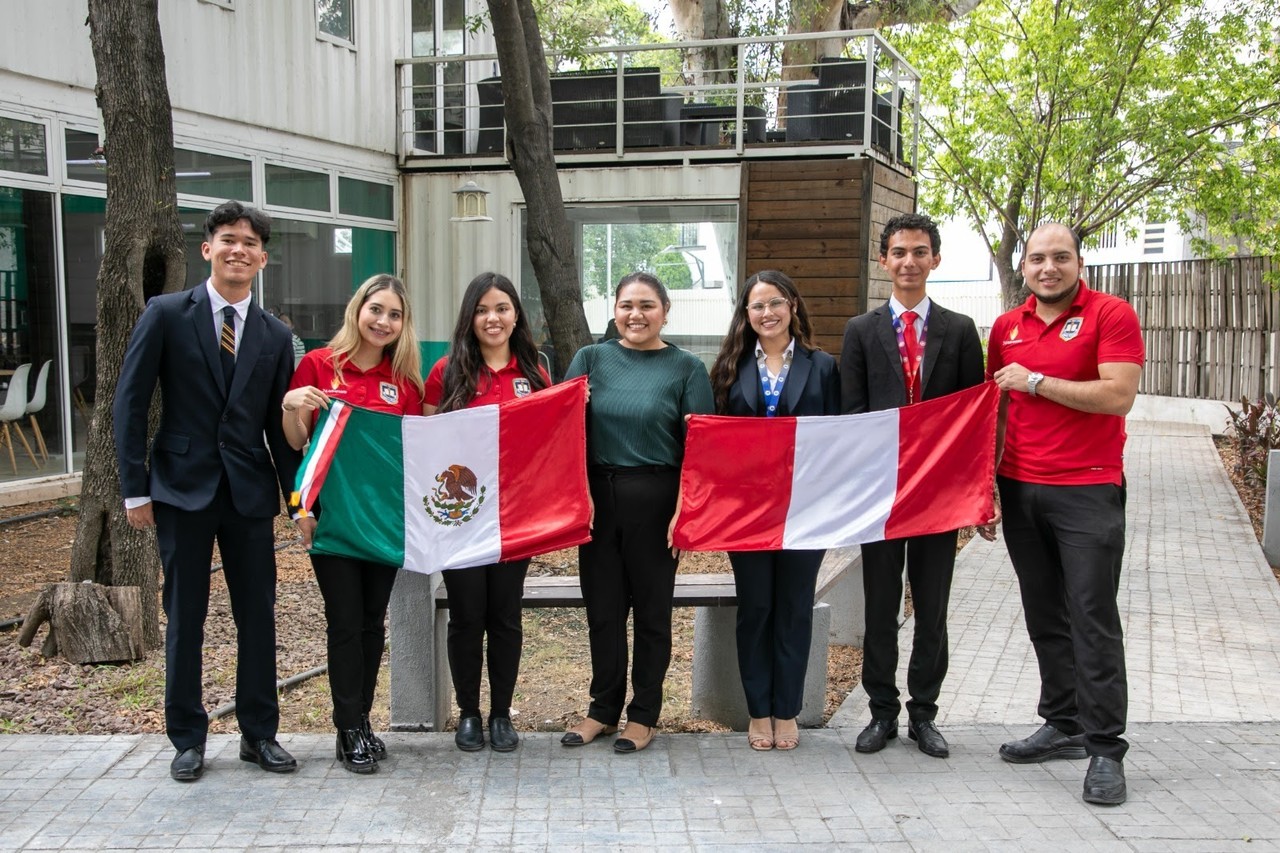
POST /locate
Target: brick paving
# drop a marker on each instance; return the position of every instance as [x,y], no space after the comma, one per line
[1203,631]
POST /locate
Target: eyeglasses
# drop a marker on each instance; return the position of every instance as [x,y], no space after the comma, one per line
[774,305]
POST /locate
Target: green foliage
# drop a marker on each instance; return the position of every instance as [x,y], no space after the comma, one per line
[633,247]
[571,27]
[1256,430]
[1096,113]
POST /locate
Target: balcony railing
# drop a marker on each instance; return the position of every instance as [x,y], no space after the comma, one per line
[846,92]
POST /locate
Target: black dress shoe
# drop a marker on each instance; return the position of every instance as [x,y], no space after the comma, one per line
[188,764]
[354,752]
[876,735]
[267,754]
[1045,744]
[1104,783]
[502,735]
[377,748]
[931,741]
[470,734]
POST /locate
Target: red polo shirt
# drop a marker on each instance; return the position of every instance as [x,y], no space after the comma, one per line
[492,386]
[1046,442]
[376,389]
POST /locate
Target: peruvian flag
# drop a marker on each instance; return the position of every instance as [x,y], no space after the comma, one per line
[760,484]
[467,488]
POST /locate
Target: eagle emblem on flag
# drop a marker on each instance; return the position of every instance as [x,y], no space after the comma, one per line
[457,499]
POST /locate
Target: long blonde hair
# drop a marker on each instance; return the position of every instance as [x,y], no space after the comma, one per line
[406,358]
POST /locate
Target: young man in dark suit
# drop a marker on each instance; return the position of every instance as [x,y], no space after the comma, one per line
[223,366]
[907,350]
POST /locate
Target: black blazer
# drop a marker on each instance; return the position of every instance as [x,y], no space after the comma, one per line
[871,377]
[205,428]
[812,386]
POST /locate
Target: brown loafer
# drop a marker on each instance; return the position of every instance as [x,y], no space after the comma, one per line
[634,738]
[585,732]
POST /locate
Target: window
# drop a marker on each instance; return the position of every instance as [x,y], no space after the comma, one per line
[363,198]
[22,147]
[213,175]
[335,21]
[297,188]
[85,160]
[692,249]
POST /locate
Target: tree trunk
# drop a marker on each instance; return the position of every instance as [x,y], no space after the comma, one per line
[526,96]
[705,19]
[144,255]
[88,622]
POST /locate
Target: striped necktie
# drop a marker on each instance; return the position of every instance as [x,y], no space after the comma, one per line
[227,344]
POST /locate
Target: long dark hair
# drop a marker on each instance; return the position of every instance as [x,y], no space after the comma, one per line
[466,365]
[741,338]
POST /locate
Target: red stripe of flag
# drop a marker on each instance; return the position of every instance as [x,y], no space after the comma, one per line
[735,485]
[542,471]
[946,463]
[323,455]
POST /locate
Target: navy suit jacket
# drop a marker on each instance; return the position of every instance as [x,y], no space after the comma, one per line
[205,427]
[812,386]
[871,378]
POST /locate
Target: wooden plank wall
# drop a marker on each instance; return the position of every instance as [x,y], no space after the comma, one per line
[806,218]
[892,193]
[1211,328]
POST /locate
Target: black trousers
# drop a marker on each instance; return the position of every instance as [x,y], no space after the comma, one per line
[775,625]
[1067,547]
[930,561]
[356,593]
[249,568]
[485,599]
[627,567]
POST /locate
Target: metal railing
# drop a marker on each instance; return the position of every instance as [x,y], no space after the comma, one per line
[848,92]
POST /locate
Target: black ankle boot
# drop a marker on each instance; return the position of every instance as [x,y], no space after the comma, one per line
[354,753]
[376,747]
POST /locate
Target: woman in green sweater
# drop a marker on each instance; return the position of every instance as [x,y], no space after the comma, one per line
[641,390]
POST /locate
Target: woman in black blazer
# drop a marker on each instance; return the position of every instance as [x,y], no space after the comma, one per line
[769,367]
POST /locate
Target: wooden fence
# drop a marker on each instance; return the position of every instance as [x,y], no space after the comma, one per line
[1211,328]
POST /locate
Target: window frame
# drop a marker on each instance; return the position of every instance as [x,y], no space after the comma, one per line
[323,35]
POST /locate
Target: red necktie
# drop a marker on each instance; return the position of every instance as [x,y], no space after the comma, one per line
[910,369]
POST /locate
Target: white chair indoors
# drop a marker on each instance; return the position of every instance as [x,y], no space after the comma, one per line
[13,411]
[36,405]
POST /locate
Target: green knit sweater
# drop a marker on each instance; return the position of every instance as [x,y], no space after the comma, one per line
[638,402]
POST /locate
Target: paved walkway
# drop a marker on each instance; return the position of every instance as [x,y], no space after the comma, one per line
[1203,627]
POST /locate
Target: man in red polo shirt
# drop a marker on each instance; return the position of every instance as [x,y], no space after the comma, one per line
[1068,360]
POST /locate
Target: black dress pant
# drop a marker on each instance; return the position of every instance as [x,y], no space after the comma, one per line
[1067,547]
[929,561]
[627,567]
[249,568]
[775,625]
[485,600]
[356,593]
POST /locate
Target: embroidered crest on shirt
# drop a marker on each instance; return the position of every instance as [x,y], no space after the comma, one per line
[457,499]
[521,387]
[1071,328]
[389,393]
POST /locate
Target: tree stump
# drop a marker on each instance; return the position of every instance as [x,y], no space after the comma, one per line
[88,622]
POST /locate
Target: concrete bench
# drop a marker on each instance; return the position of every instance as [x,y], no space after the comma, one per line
[421,687]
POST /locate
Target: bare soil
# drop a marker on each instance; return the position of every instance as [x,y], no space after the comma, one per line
[53,696]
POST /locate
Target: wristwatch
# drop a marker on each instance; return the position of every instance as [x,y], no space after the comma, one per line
[1033,379]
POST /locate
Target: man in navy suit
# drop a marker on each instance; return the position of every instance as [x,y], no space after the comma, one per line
[907,350]
[223,366]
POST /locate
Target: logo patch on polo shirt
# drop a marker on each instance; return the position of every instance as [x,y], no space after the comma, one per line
[521,387]
[389,393]
[1071,328]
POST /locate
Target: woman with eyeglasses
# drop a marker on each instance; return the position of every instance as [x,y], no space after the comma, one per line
[769,367]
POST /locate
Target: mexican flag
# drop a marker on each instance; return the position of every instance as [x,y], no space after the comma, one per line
[467,488]
[760,484]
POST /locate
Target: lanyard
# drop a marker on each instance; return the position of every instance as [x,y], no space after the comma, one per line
[772,388]
[911,367]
